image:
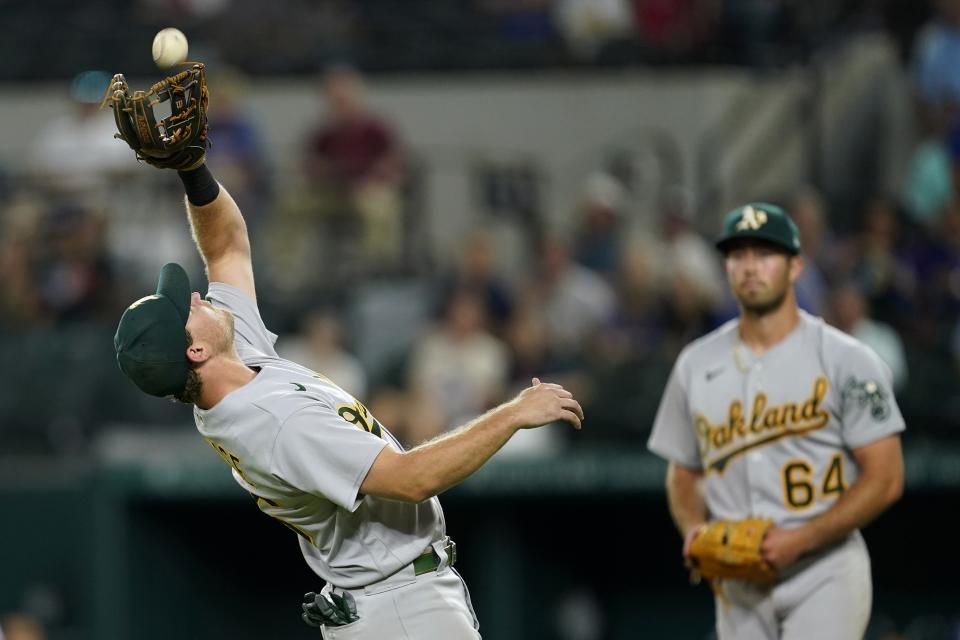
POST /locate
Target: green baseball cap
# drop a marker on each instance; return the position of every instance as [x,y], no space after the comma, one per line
[151,339]
[761,221]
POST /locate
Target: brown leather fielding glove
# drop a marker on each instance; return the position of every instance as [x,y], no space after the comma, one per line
[731,549]
[177,141]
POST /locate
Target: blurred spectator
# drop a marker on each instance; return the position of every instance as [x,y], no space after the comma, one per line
[311,31]
[688,314]
[753,31]
[457,366]
[635,328]
[532,354]
[627,363]
[933,178]
[690,261]
[526,336]
[849,312]
[319,346]
[77,152]
[20,306]
[478,271]
[236,154]
[936,72]
[936,77]
[938,266]
[522,20]
[587,25]
[356,158]
[885,277]
[928,185]
[576,302]
[807,210]
[74,277]
[55,264]
[675,26]
[597,244]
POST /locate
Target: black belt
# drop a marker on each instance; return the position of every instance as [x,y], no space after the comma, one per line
[429,561]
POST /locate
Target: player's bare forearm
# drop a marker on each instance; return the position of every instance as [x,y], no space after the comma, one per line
[879,485]
[221,237]
[218,228]
[437,465]
[447,460]
[685,497]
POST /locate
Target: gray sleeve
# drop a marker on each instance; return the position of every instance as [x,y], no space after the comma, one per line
[673,436]
[869,409]
[248,324]
[321,453]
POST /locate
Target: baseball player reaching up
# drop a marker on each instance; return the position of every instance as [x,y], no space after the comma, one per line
[776,415]
[313,456]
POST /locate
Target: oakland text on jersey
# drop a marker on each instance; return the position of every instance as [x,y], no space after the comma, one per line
[720,443]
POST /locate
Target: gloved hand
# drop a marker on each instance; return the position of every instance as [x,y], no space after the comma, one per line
[731,549]
[178,141]
[331,610]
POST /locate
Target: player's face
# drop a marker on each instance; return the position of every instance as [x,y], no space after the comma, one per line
[760,275]
[210,325]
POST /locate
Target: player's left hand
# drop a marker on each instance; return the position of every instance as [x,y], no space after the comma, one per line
[781,547]
[331,610]
[545,402]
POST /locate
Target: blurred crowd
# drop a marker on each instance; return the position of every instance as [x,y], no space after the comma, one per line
[603,306]
[297,36]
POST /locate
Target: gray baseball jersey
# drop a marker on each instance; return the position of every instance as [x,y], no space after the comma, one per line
[301,446]
[774,434]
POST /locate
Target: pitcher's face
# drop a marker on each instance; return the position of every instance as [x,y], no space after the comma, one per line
[760,275]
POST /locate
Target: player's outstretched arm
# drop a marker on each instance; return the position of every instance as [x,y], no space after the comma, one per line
[218,230]
[433,467]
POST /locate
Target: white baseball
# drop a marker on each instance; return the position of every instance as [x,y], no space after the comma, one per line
[169,47]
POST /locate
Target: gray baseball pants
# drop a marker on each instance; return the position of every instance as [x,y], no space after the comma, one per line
[827,596]
[405,606]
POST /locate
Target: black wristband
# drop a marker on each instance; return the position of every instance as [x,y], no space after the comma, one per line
[200,185]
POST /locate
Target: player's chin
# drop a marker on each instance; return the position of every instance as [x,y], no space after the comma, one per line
[750,298]
[761,304]
[753,289]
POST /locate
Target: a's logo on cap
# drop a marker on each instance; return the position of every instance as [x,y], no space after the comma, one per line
[751,219]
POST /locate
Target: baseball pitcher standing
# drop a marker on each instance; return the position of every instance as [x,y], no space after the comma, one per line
[312,456]
[776,416]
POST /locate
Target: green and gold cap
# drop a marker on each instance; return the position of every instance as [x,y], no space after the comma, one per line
[761,221]
[151,339]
